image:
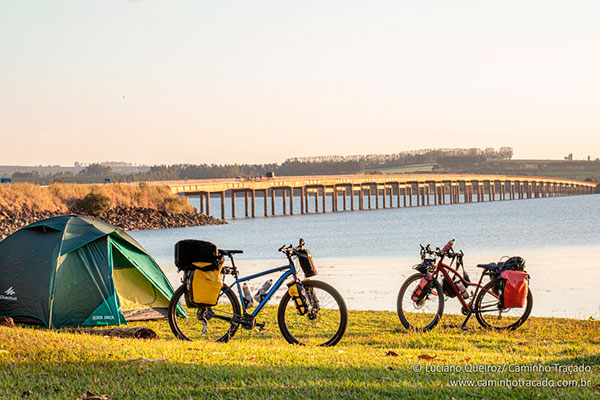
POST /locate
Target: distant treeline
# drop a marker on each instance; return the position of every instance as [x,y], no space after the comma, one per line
[442,160]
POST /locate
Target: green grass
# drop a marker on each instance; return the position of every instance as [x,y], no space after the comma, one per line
[37,363]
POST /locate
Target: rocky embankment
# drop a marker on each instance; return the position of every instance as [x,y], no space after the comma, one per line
[126,218]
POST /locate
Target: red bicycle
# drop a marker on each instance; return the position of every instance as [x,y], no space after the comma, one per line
[422,296]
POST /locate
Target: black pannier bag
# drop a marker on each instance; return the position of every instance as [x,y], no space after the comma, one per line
[306,262]
[514,264]
[204,254]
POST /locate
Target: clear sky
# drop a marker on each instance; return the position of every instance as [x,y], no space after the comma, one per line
[156,81]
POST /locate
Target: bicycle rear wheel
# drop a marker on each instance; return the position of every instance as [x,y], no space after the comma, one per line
[205,323]
[325,322]
[490,316]
[425,314]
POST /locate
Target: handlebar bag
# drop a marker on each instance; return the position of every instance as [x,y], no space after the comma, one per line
[193,254]
[306,262]
[204,286]
[515,288]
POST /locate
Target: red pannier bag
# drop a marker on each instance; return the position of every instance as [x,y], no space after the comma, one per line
[515,289]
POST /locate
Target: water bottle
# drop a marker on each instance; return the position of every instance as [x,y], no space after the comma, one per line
[262,292]
[247,296]
[462,289]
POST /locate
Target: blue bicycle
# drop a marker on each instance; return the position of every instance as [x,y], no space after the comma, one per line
[310,312]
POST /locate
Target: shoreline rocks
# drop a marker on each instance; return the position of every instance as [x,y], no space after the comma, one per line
[125,218]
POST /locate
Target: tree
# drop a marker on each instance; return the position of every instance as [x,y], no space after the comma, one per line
[96,170]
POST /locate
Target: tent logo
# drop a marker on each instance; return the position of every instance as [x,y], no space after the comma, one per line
[10,292]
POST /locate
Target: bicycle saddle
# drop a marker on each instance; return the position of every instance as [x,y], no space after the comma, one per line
[490,265]
[228,252]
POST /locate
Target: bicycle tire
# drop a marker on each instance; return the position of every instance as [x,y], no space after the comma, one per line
[489,322]
[402,313]
[296,329]
[193,322]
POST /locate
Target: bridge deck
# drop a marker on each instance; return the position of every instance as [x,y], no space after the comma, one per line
[400,190]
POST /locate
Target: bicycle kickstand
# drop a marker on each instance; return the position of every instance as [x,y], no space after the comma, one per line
[464,326]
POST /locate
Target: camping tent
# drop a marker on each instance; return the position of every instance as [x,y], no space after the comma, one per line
[76,271]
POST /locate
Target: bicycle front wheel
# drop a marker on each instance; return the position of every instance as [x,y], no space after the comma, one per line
[325,322]
[214,323]
[490,315]
[424,314]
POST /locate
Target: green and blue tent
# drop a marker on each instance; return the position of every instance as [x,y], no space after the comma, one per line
[77,271]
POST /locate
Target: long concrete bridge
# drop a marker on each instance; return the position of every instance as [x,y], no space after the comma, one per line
[363,192]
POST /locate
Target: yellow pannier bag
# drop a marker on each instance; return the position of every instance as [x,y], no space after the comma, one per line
[206,285]
[297,297]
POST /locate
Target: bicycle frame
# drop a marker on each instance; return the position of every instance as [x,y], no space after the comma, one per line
[467,306]
[289,270]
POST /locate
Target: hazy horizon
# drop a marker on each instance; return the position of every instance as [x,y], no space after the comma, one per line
[258,82]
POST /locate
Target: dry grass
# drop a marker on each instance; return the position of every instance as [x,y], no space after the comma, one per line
[61,197]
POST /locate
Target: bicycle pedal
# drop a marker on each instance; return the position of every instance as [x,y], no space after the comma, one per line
[260,326]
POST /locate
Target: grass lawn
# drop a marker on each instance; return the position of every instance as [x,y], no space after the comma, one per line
[376,359]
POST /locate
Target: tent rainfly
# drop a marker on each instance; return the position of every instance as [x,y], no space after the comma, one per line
[76,271]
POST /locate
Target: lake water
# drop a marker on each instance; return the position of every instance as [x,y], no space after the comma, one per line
[368,254]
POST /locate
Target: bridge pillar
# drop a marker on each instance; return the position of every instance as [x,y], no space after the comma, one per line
[301,199]
[284,200]
[334,198]
[273,201]
[457,192]
[233,203]
[201,202]
[351,197]
[223,205]
[247,202]
[207,203]
[265,202]
[253,203]
[324,199]
[369,191]
[361,198]
[404,188]
[316,199]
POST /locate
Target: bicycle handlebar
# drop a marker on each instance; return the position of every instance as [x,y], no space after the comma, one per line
[447,251]
[290,249]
